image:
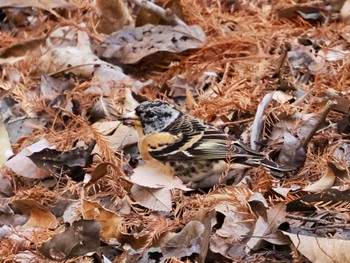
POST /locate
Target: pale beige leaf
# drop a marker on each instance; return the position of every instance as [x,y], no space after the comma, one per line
[325,182]
[186,242]
[265,229]
[23,166]
[154,177]
[5,143]
[155,199]
[46,5]
[129,103]
[233,229]
[345,12]
[325,250]
[122,136]
[281,97]
[129,46]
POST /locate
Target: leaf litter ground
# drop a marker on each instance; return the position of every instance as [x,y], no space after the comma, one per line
[273,74]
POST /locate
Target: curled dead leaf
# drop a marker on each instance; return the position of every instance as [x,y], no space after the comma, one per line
[325,182]
[129,46]
[110,222]
[317,249]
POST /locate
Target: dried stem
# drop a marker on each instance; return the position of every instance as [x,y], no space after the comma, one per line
[165,14]
[323,116]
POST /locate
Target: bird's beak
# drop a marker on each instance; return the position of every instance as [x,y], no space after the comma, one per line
[130,119]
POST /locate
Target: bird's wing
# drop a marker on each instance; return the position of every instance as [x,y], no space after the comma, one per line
[196,140]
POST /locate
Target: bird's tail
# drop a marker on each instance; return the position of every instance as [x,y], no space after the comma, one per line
[249,157]
[275,167]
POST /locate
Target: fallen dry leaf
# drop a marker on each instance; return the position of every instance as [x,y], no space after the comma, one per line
[23,166]
[80,238]
[316,249]
[151,176]
[128,46]
[267,229]
[158,199]
[110,222]
[39,216]
[326,198]
[6,149]
[325,182]
[47,5]
[186,242]
[229,236]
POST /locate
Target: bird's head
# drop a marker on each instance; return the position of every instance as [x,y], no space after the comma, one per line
[152,116]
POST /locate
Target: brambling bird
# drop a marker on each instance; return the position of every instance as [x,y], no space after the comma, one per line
[195,151]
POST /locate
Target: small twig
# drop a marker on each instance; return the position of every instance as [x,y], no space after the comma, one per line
[323,116]
[343,226]
[259,120]
[165,14]
[308,219]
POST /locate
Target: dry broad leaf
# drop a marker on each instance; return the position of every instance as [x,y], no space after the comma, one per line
[226,239]
[158,199]
[80,238]
[153,177]
[46,5]
[325,182]
[129,46]
[325,250]
[110,222]
[186,242]
[25,167]
[39,215]
[267,230]
[5,149]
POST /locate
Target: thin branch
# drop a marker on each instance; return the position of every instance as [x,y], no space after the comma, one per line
[323,116]
[257,125]
[165,14]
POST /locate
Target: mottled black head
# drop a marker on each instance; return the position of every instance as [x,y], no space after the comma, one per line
[156,115]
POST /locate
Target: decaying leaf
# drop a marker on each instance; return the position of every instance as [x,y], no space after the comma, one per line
[186,242]
[71,52]
[128,46]
[117,134]
[20,49]
[316,249]
[23,166]
[311,13]
[80,238]
[6,188]
[5,143]
[110,222]
[292,153]
[39,216]
[266,230]
[47,5]
[326,181]
[158,199]
[100,170]
[281,97]
[326,198]
[154,177]
[70,162]
[227,240]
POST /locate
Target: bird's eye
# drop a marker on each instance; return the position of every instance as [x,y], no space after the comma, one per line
[149,114]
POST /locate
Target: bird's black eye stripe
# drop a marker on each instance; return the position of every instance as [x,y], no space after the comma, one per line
[167,114]
[149,114]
